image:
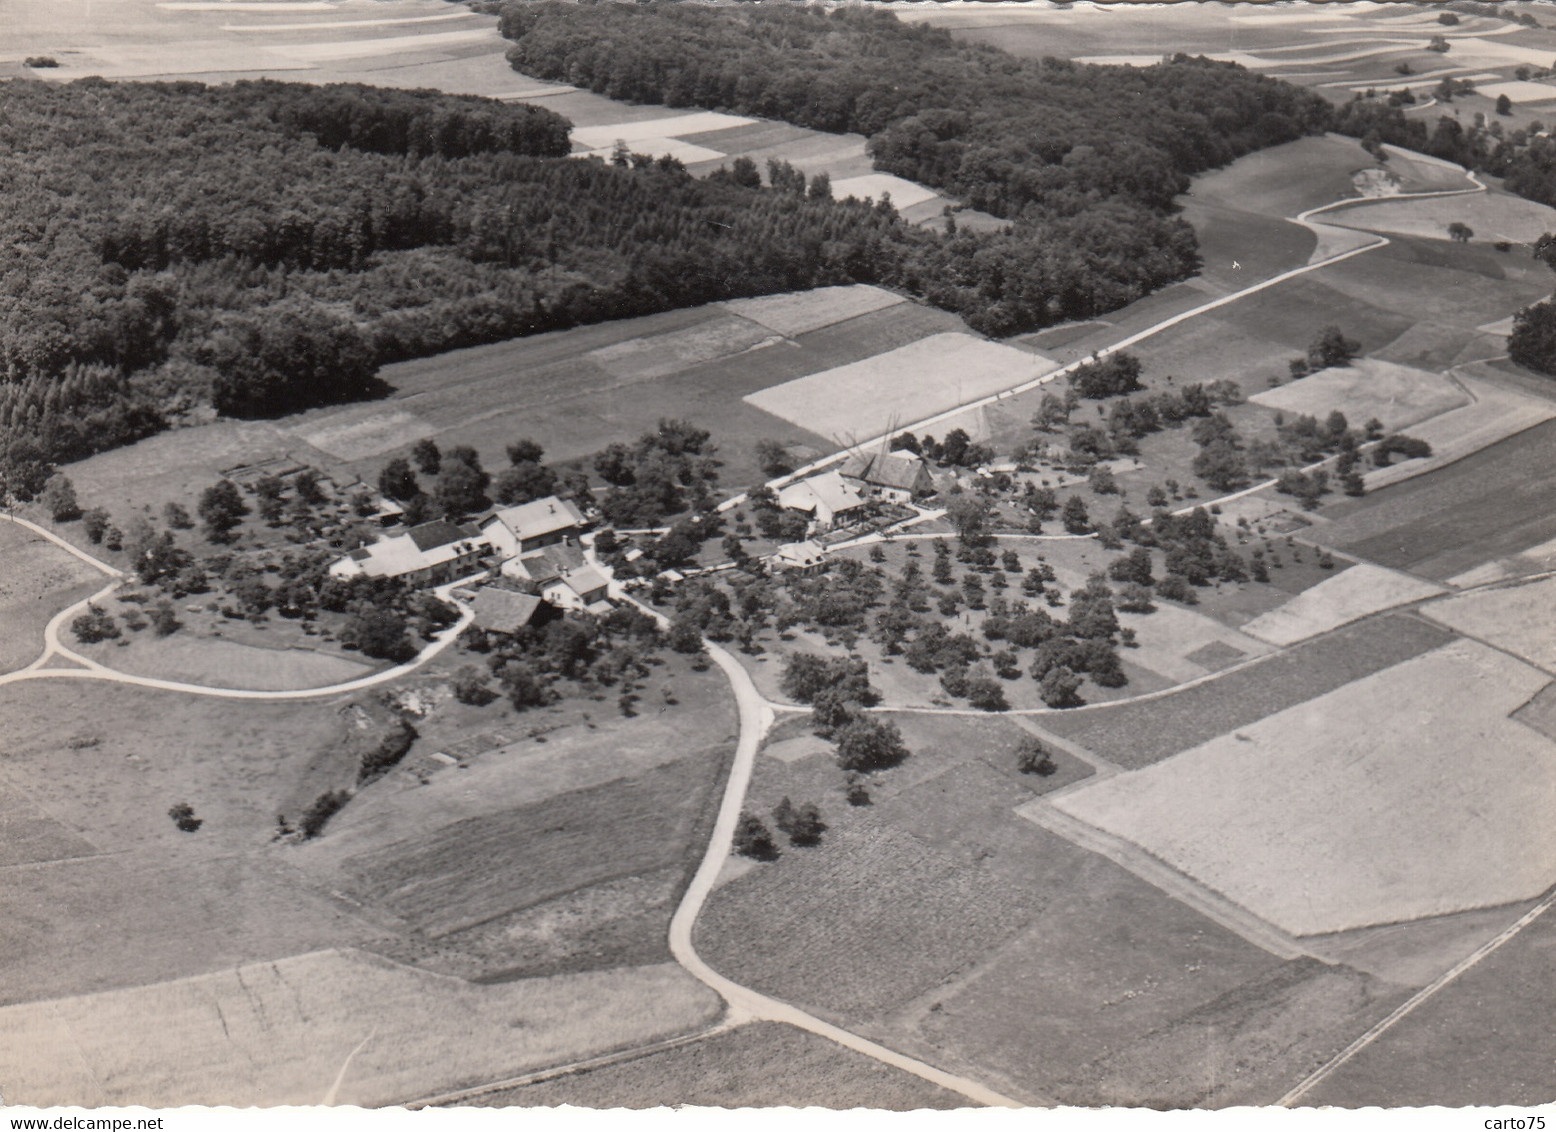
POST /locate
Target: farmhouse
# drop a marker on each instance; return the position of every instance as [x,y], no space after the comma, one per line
[799,557]
[426,555]
[507,611]
[827,499]
[559,574]
[530,526]
[900,477]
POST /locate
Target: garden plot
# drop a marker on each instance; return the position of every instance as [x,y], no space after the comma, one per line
[660,355]
[363,431]
[1362,590]
[1518,619]
[1491,216]
[870,397]
[1335,814]
[1171,639]
[1397,395]
[800,312]
[328,1027]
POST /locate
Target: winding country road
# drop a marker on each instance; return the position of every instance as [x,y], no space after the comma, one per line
[755,715]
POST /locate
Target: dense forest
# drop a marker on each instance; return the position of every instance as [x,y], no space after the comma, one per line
[264,247]
[1085,160]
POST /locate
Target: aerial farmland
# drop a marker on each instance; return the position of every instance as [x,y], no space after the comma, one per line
[623,588]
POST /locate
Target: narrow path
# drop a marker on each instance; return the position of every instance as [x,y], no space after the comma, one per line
[92,670]
[745,1004]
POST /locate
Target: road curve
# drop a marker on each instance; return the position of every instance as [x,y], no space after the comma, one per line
[756,717]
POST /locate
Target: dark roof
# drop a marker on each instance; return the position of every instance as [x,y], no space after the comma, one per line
[503,611]
[439,532]
[901,470]
[552,561]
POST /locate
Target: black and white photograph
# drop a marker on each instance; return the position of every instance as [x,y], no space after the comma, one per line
[753,554]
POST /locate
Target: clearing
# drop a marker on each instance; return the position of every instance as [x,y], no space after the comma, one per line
[1334,815]
[222,664]
[332,1027]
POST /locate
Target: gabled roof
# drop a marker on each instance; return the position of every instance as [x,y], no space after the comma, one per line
[800,553]
[552,562]
[439,532]
[540,517]
[900,470]
[502,611]
[828,489]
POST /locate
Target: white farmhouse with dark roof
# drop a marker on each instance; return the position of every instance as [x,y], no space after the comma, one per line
[426,555]
[828,499]
[530,526]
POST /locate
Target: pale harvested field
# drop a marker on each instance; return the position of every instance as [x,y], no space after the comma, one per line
[1362,590]
[684,152]
[799,312]
[1406,794]
[876,186]
[1397,395]
[224,664]
[1519,91]
[336,1027]
[671,126]
[1519,619]
[1492,216]
[869,397]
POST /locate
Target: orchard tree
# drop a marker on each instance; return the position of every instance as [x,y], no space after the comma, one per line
[1075,518]
[753,838]
[96,523]
[427,457]
[867,744]
[1033,757]
[397,480]
[1060,688]
[221,509]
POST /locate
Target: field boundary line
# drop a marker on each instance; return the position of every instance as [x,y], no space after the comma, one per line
[601,1061]
[1377,1030]
[1157,873]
